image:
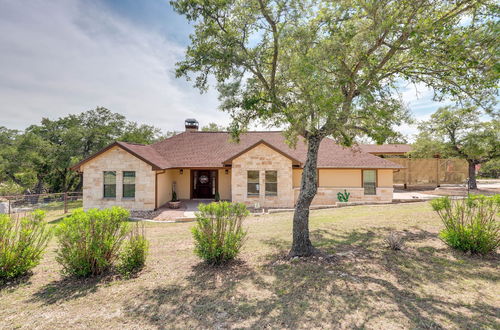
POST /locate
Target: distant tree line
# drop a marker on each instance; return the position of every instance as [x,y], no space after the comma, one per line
[38,159]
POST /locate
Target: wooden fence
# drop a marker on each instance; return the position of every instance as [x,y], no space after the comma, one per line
[430,171]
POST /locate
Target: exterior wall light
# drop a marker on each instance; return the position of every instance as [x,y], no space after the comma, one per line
[181,171]
[226,171]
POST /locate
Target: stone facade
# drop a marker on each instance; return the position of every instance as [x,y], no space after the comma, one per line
[262,158]
[328,195]
[119,160]
[232,185]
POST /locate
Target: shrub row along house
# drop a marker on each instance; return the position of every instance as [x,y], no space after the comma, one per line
[261,170]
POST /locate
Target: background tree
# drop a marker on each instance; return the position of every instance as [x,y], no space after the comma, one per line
[321,68]
[213,127]
[39,158]
[459,132]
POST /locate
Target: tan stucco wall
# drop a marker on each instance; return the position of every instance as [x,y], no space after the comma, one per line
[165,187]
[119,160]
[262,158]
[329,177]
[224,184]
[385,178]
[182,183]
[297,177]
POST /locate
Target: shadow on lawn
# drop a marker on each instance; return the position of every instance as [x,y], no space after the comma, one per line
[67,288]
[358,291]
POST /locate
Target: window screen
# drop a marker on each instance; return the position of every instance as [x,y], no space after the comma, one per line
[129,184]
[253,183]
[271,183]
[370,182]
[109,184]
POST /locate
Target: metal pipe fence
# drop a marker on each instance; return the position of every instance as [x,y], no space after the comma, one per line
[53,204]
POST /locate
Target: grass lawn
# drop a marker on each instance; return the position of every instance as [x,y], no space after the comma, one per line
[426,285]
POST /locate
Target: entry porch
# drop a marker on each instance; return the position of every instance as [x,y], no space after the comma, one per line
[192,185]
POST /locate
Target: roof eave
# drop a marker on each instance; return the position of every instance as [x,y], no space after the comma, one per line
[77,166]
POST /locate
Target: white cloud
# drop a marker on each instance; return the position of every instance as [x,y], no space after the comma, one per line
[67,56]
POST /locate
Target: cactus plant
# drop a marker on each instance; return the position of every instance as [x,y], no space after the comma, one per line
[343,197]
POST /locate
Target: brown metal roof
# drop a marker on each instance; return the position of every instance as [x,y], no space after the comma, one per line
[385,149]
[214,149]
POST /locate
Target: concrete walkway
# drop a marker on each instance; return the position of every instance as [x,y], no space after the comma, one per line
[185,212]
[411,195]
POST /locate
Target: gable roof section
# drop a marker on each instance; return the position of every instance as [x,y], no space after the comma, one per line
[141,151]
[294,161]
[215,149]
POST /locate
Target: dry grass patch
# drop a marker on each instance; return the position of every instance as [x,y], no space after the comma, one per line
[365,284]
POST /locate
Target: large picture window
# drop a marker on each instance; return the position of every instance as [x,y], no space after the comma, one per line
[370,182]
[253,188]
[109,184]
[129,184]
[271,183]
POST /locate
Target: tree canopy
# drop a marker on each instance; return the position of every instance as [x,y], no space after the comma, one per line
[213,127]
[459,132]
[39,158]
[333,69]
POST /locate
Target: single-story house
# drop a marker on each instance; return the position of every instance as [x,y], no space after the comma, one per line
[262,169]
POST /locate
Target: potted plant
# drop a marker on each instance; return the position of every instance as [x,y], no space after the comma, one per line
[217,197]
[174,203]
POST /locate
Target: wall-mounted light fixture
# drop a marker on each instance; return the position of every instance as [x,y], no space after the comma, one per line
[181,171]
[226,171]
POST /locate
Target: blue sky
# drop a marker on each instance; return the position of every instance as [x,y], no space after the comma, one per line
[66,56]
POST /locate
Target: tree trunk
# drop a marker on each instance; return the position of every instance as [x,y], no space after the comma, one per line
[472,174]
[301,245]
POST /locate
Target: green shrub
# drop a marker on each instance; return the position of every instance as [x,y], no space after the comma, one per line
[22,243]
[471,224]
[89,242]
[135,250]
[218,233]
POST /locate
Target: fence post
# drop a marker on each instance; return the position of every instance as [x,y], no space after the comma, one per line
[437,172]
[65,202]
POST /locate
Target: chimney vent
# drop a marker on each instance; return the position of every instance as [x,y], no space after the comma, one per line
[191,125]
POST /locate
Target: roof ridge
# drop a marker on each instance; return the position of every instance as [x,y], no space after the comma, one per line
[134,143]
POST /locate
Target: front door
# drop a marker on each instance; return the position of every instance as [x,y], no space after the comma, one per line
[204,183]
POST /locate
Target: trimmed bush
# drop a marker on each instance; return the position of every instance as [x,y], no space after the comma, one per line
[89,242]
[471,224]
[219,234]
[22,243]
[135,250]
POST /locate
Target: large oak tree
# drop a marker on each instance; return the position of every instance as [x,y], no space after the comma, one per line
[323,68]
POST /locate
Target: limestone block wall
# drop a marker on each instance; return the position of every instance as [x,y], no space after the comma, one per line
[262,158]
[119,160]
[328,195]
